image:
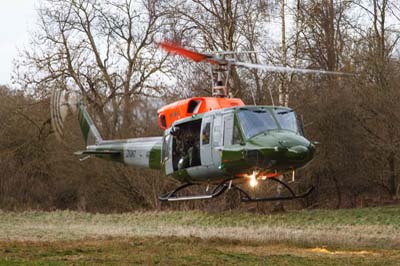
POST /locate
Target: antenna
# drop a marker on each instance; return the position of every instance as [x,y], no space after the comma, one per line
[270,92]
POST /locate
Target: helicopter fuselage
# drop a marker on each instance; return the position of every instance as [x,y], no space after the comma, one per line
[229,143]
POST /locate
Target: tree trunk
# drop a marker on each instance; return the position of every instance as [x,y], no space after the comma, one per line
[392,174]
[338,192]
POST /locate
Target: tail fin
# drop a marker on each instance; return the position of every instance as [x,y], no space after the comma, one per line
[90,133]
[64,102]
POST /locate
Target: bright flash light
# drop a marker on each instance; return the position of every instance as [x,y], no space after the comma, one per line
[253,182]
[253,179]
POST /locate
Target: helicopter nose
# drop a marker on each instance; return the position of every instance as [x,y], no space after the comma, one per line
[299,153]
[280,149]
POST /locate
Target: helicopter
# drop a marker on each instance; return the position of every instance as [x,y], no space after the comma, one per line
[213,141]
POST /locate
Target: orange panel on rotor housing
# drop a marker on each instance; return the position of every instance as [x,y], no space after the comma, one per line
[188,107]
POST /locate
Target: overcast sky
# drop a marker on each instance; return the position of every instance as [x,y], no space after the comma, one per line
[17,18]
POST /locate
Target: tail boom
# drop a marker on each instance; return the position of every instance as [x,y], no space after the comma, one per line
[139,152]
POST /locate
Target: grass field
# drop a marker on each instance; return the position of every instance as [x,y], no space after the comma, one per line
[369,236]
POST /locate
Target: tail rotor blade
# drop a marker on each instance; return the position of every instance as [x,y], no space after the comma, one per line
[61,104]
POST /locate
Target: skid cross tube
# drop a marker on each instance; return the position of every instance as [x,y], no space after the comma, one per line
[171,196]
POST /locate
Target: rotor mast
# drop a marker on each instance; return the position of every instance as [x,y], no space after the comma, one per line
[219,84]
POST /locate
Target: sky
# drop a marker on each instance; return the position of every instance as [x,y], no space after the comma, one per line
[17,19]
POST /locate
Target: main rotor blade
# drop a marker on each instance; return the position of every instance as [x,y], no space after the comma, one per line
[235,53]
[179,50]
[282,69]
[209,58]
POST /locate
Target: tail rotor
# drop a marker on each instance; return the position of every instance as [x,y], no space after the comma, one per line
[61,104]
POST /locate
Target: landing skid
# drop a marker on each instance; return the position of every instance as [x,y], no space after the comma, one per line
[171,196]
[244,196]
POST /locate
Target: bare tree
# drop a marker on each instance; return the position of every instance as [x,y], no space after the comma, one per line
[108,51]
[216,25]
[379,115]
[104,49]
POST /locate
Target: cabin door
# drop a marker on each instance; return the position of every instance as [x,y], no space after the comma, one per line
[211,140]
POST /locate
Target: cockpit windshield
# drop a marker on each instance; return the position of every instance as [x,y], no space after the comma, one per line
[287,119]
[256,121]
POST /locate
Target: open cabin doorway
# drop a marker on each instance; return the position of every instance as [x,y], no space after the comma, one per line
[186,145]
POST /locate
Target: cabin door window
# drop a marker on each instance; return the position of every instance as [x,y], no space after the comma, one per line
[228,129]
[205,148]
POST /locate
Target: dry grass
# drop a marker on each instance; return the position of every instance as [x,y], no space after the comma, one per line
[319,237]
[352,228]
[182,251]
